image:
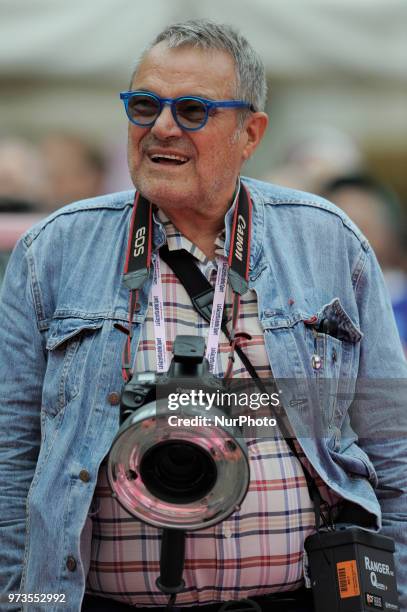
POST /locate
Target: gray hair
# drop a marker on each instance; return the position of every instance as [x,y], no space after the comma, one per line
[251,85]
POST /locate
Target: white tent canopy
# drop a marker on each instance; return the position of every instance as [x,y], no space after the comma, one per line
[339,63]
[296,38]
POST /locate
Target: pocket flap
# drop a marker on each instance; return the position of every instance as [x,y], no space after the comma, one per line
[346,328]
[62,330]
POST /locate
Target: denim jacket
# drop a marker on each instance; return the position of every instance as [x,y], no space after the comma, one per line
[60,359]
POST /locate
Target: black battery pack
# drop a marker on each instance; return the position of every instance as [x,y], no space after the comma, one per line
[352,570]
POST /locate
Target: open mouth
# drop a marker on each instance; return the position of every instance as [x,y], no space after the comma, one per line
[168,159]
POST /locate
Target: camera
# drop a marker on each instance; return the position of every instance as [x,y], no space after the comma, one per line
[175,468]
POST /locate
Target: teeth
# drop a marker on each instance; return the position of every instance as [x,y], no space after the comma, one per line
[175,157]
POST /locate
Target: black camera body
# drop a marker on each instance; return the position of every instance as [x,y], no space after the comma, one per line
[188,370]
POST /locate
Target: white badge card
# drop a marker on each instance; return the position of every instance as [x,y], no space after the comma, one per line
[158,319]
[217,312]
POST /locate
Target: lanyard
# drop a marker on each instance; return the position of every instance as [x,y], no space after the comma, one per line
[158,319]
[217,312]
[137,270]
[214,325]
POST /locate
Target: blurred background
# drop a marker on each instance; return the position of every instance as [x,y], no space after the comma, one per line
[337,72]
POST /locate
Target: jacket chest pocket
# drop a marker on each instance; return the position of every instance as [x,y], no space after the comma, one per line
[68,347]
[334,337]
[333,341]
[322,348]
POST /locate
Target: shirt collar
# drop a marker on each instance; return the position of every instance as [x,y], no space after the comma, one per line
[176,240]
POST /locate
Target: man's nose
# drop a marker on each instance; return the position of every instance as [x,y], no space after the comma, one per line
[165,125]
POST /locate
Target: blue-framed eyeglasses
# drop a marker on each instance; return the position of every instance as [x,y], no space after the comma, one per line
[190,112]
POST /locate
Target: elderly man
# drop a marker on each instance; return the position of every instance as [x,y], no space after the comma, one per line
[195,110]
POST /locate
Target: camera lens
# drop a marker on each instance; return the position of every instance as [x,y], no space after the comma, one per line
[178,472]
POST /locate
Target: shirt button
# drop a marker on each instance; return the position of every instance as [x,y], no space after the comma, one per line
[71,563]
[114,398]
[227,532]
[84,475]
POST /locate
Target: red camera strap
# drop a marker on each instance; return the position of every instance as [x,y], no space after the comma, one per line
[139,256]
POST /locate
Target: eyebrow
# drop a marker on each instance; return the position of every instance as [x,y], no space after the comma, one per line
[187,95]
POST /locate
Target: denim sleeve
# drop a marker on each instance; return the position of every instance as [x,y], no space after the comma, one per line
[22,365]
[380,414]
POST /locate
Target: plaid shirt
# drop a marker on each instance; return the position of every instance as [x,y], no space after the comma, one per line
[258,549]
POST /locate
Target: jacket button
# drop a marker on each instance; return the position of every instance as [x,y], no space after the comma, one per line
[316,362]
[114,398]
[71,563]
[84,475]
[137,307]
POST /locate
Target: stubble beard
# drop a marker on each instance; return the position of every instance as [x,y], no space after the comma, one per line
[164,197]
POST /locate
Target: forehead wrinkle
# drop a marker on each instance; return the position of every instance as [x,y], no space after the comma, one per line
[181,71]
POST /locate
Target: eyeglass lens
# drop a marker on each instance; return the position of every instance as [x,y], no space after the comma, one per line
[143,110]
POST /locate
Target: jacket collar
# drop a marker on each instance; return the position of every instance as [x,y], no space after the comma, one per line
[159,236]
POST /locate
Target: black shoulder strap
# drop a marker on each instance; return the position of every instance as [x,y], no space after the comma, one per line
[198,288]
[201,293]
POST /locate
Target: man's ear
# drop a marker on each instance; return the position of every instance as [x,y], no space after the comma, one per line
[254,128]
